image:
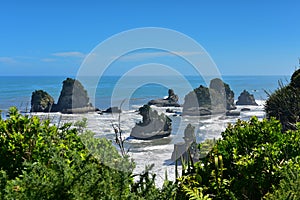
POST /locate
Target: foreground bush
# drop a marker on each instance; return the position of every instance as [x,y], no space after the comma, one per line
[247,163]
[284,103]
[43,161]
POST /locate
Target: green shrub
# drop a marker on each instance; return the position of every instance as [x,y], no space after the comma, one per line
[247,162]
[289,186]
[42,161]
[284,103]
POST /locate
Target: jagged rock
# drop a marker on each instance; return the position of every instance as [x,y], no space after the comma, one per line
[221,87]
[245,109]
[172,96]
[41,101]
[112,110]
[170,101]
[187,149]
[73,98]
[246,98]
[233,113]
[205,101]
[152,125]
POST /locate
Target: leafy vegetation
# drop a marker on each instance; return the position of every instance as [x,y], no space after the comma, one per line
[247,163]
[284,103]
[42,161]
[255,159]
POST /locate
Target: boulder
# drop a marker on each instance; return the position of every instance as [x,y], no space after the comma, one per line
[233,113]
[245,109]
[152,126]
[170,101]
[41,101]
[112,110]
[246,98]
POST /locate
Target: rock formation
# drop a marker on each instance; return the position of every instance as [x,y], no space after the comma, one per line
[73,99]
[170,101]
[152,125]
[246,98]
[187,149]
[233,113]
[41,101]
[224,90]
[112,110]
[205,101]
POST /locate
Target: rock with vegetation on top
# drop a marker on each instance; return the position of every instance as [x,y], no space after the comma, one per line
[170,101]
[41,101]
[187,149]
[73,99]
[205,101]
[246,98]
[152,125]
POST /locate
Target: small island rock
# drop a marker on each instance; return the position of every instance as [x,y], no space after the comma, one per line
[73,99]
[152,125]
[41,101]
[112,110]
[170,101]
[246,98]
[205,101]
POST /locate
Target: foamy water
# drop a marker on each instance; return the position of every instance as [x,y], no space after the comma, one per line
[158,151]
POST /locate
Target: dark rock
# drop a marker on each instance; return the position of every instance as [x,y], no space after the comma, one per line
[152,125]
[73,99]
[245,109]
[112,110]
[246,98]
[168,110]
[170,101]
[224,90]
[187,149]
[172,96]
[233,113]
[78,110]
[197,111]
[72,96]
[216,99]
[41,101]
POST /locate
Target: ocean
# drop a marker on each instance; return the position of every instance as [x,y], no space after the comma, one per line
[16,91]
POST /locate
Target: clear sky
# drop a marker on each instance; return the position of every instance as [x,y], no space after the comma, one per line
[257,37]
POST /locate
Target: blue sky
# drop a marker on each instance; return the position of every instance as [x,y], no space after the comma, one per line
[256,37]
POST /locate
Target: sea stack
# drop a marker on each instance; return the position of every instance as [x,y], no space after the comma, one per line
[73,99]
[170,101]
[41,101]
[206,101]
[246,98]
[152,126]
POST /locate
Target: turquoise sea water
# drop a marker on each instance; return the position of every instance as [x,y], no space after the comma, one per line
[16,90]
